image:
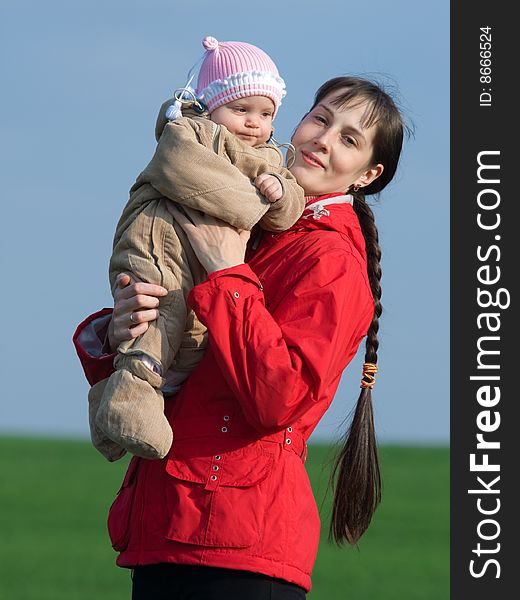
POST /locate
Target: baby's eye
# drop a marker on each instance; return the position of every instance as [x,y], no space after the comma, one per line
[239,109]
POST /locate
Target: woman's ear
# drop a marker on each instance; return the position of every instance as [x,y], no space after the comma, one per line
[369,176]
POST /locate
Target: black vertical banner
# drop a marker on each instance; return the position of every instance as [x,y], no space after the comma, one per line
[485,345]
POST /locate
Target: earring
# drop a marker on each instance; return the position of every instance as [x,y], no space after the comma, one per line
[356,187]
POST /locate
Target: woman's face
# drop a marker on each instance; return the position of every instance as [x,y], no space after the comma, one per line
[333,149]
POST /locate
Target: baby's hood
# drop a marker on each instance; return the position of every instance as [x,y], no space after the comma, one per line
[162,120]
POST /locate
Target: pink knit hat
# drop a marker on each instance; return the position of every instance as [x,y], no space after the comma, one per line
[233,70]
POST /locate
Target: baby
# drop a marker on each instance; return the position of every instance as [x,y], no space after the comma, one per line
[208,164]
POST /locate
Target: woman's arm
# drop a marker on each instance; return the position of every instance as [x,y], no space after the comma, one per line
[135,305]
[216,244]
[279,364]
[97,337]
[89,341]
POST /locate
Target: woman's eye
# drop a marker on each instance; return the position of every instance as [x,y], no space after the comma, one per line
[349,140]
[320,119]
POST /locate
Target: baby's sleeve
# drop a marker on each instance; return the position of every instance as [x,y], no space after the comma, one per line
[267,159]
[189,167]
[283,213]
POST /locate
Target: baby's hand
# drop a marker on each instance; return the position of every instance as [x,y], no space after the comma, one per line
[269,186]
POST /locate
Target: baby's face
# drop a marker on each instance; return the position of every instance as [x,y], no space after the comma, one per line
[250,119]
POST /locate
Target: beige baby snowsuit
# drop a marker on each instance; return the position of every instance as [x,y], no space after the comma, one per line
[199,165]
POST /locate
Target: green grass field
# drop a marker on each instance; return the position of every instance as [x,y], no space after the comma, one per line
[55,494]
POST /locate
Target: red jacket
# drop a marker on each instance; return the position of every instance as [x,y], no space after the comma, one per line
[233,491]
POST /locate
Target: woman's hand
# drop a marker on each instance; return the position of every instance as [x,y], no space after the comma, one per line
[135,305]
[217,244]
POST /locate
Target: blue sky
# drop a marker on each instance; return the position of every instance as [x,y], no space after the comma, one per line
[82,82]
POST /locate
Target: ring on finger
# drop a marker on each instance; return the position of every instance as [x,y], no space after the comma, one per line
[132,318]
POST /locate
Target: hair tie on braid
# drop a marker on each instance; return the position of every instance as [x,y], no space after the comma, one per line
[368,378]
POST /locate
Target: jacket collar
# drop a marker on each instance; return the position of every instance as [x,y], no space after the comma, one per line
[333,212]
[318,205]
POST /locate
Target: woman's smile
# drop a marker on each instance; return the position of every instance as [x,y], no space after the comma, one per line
[312,160]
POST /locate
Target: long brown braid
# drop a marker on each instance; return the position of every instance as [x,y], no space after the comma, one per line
[356,470]
[356,474]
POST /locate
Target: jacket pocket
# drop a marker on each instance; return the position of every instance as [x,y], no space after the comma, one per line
[219,500]
[119,513]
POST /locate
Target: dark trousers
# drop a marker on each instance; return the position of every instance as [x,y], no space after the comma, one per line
[186,582]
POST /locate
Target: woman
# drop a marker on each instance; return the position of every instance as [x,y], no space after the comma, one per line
[229,512]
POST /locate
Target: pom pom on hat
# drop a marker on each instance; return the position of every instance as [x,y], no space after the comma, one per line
[234,70]
[210,43]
